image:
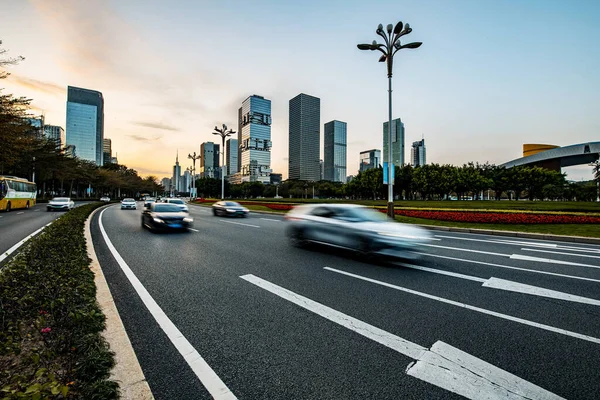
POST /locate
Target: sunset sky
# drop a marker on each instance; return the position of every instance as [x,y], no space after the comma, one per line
[490,76]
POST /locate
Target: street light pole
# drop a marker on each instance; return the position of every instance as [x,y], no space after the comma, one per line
[193,157]
[223,132]
[392,45]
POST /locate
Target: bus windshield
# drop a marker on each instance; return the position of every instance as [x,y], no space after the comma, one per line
[3,189]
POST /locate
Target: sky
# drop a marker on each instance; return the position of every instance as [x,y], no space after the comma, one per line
[489,77]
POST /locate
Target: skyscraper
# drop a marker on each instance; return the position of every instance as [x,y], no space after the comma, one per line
[85,123]
[417,153]
[305,138]
[57,134]
[397,142]
[335,151]
[369,159]
[175,182]
[186,180]
[166,183]
[231,156]
[107,150]
[209,161]
[255,145]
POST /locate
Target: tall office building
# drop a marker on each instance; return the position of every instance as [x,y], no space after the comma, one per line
[57,134]
[321,170]
[175,182]
[186,181]
[305,138]
[397,142]
[166,184]
[231,156]
[334,168]
[255,145]
[417,153]
[369,159]
[37,126]
[85,123]
[209,162]
[239,140]
[107,150]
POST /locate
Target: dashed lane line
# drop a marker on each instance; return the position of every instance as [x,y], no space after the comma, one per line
[239,223]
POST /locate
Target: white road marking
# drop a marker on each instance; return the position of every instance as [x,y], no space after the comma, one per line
[36,210]
[22,212]
[239,223]
[535,271]
[550,261]
[497,283]
[192,229]
[489,253]
[443,365]
[16,246]
[470,307]
[560,252]
[203,371]
[271,219]
[442,272]
[522,243]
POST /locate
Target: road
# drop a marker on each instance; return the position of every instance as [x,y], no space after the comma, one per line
[236,311]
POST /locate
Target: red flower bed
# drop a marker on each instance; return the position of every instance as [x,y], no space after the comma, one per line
[498,218]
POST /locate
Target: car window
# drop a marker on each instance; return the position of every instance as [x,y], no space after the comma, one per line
[176,201]
[324,212]
[230,203]
[165,208]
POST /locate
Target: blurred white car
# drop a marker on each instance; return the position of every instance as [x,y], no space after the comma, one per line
[105,199]
[355,227]
[128,204]
[60,204]
[179,203]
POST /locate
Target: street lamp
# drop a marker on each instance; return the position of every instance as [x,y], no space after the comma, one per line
[223,132]
[392,45]
[194,158]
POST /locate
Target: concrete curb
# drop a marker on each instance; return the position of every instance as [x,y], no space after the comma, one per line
[527,235]
[127,371]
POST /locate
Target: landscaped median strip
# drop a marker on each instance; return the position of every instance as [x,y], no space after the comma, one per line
[8,252]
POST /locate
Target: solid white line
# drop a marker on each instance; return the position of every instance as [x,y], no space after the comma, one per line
[550,261]
[16,246]
[271,219]
[444,366]
[535,271]
[239,223]
[560,252]
[36,210]
[203,371]
[473,308]
[442,272]
[511,286]
[500,241]
[192,229]
[467,250]
[22,212]
[394,342]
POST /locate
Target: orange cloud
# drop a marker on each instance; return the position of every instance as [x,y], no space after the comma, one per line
[37,85]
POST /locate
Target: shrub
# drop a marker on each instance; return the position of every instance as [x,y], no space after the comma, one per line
[50,341]
[498,217]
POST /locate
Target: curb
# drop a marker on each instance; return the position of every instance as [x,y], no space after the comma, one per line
[527,235]
[127,371]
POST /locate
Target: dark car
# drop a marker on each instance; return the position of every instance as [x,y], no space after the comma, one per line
[229,208]
[162,216]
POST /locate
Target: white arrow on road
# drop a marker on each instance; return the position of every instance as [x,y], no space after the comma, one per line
[441,365]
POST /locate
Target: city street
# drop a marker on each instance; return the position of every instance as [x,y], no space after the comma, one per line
[231,309]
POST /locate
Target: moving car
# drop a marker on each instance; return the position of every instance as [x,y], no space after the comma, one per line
[148,201]
[162,216]
[354,227]
[179,203]
[229,208]
[60,204]
[128,204]
[105,199]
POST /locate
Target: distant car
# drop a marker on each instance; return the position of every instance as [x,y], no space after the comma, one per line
[128,204]
[161,216]
[354,227]
[179,203]
[60,204]
[230,209]
[105,199]
[148,201]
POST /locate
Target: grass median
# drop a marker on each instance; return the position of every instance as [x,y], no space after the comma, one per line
[50,339]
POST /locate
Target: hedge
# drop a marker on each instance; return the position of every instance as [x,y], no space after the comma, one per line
[50,323]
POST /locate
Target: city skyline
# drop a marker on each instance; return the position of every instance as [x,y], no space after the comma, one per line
[477,93]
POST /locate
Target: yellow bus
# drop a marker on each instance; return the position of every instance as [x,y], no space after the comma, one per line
[16,193]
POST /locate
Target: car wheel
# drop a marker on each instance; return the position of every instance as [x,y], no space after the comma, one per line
[364,248]
[214,212]
[297,238]
[143,224]
[8,207]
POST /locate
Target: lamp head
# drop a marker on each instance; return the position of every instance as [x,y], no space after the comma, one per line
[364,46]
[389,28]
[398,28]
[379,28]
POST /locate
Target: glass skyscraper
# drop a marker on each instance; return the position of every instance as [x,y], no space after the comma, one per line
[107,150]
[334,168]
[305,138]
[85,123]
[255,140]
[417,154]
[175,184]
[55,133]
[209,162]
[397,142]
[231,156]
[369,159]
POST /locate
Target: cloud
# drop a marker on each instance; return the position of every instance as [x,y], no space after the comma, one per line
[155,125]
[37,85]
[144,138]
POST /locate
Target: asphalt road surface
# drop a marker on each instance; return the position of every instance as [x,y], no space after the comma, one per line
[230,310]
[18,224]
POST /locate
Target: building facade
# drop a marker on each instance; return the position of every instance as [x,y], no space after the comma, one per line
[166,184]
[369,159]
[335,157]
[417,153]
[186,181]
[397,142]
[107,150]
[231,156]
[85,123]
[255,141]
[209,162]
[56,134]
[176,175]
[304,138]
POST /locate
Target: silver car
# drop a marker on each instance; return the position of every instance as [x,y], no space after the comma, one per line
[60,204]
[354,227]
[128,204]
[179,203]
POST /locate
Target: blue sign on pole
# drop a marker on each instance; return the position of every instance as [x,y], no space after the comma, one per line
[385,173]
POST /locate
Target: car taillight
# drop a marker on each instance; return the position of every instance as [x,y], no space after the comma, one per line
[290,218]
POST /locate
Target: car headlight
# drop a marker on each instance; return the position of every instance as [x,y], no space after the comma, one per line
[188,220]
[230,210]
[160,221]
[245,209]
